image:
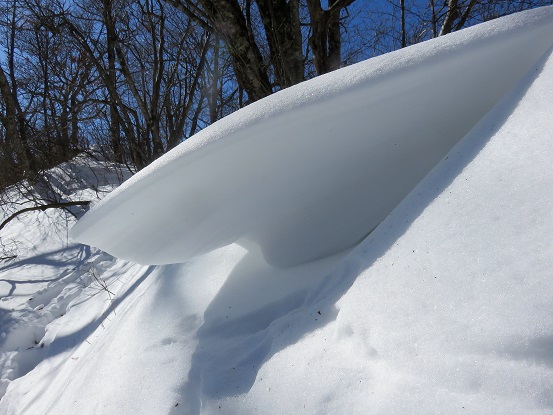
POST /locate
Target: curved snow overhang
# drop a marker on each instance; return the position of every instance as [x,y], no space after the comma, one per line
[311,170]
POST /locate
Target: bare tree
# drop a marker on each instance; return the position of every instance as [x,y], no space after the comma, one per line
[456,15]
[281,34]
[15,146]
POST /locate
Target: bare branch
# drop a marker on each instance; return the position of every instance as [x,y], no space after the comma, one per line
[195,14]
[59,205]
[339,5]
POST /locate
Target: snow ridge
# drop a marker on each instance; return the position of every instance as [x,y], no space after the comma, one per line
[367,135]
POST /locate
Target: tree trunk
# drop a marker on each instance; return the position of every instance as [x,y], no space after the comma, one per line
[326,40]
[281,21]
[14,120]
[229,22]
[334,37]
[15,125]
[317,41]
[455,12]
[403,34]
[114,128]
[214,87]
[450,16]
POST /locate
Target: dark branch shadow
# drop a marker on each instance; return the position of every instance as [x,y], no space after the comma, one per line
[74,256]
[81,255]
[64,343]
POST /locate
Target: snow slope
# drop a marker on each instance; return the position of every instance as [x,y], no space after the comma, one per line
[444,308]
[310,171]
[46,271]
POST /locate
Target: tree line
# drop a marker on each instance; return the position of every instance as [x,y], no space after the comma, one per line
[135,78]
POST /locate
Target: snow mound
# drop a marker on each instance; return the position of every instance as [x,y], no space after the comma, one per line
[312,170]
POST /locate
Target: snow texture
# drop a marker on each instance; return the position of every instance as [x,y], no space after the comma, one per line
[311,170]
[445,308]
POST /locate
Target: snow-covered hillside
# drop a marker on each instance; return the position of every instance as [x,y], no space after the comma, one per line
[444,308]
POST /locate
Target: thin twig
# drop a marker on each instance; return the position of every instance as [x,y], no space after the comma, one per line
[59,205]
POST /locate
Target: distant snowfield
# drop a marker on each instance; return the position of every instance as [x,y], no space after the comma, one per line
[444,308]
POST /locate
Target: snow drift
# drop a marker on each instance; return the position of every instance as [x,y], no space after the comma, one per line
[311,170]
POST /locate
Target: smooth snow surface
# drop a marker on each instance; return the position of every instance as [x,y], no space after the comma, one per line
[445,308]
[310,171]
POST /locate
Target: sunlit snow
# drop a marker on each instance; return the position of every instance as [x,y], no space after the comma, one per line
[445,308]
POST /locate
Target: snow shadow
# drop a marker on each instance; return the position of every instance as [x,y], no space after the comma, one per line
[65,258]
[75,256]
[63,343]
[273,314]
[537,350]
[250,312]
[534,351]
[13,283]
